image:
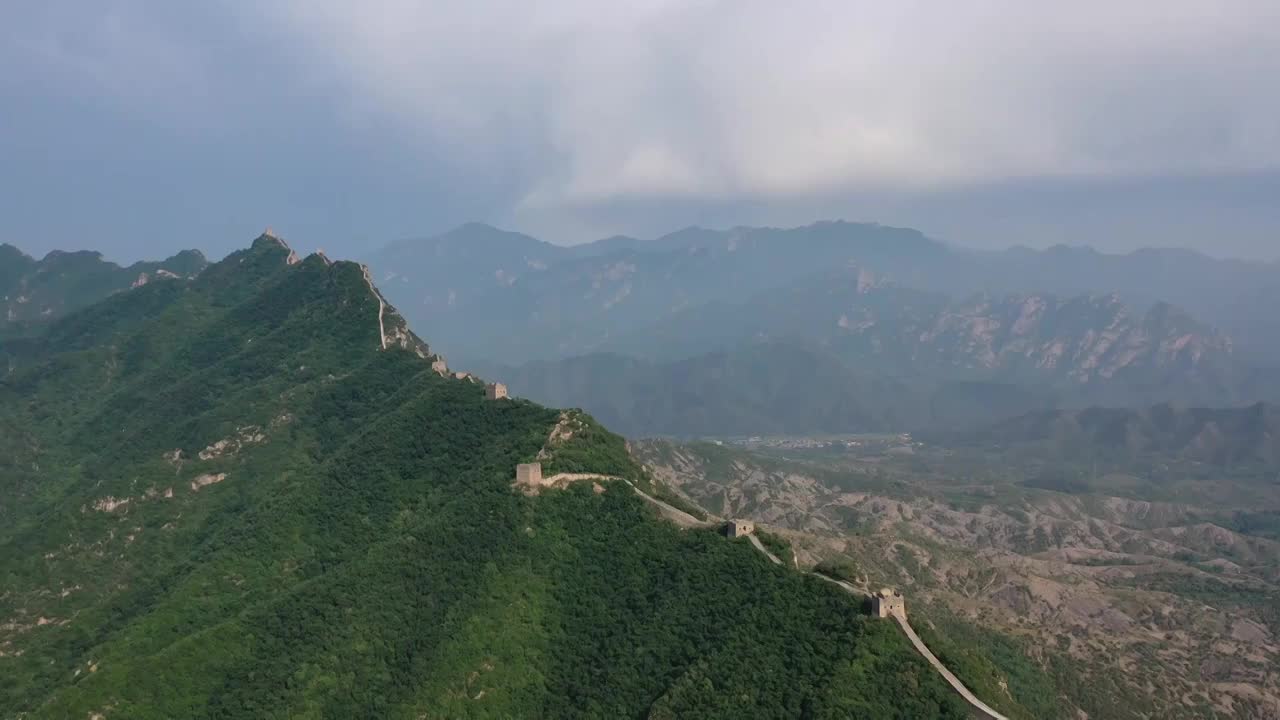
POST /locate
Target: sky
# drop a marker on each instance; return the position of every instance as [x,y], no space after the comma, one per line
[139,127]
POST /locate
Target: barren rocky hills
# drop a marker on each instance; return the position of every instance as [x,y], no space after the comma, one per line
[1134,608]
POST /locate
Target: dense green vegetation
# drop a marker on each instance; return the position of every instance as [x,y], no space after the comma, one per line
[224,501]
[841,568]
[775,544]
[32,292]
[993,665]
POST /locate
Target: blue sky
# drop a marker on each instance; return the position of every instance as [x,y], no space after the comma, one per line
[140,127]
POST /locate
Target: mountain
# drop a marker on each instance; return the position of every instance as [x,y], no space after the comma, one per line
[1081,344]
[775,387]
[545,302]
[1227,437]
[248,494]
[770,388]
[843,352]
[519,297]
[38,290]
[450,270]
[967,338]
[1230,294]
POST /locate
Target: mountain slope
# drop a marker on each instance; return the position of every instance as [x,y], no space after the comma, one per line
[1151,594]
[247,495]
[892,305]
[1217,436]
[770,388]
[597,286]
[777,387]
[1085,345]
[39,290]
[534,300]
[843,352]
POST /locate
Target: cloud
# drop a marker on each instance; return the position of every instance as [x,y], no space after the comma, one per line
[351,123]
[753,98]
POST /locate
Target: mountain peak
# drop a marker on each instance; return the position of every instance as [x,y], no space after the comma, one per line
[268,240]
[12,252]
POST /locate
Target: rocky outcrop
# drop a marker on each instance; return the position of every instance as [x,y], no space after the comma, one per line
[1082,340]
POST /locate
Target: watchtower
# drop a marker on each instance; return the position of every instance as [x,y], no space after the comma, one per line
[888,602]
[529,474]
[495,391]
[439,366]
[740,528]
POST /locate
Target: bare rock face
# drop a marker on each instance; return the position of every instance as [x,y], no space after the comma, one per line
[1083,339]
[207,479]
[229,446]
[1096,582]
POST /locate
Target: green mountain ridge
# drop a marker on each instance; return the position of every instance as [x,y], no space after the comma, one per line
[230,496]
[35,291]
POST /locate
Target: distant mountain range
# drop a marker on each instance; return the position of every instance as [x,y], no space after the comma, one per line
[546,301]
[832,327]
[34,290]
[772,387]
[1214,436]
[665,336]
[778,387]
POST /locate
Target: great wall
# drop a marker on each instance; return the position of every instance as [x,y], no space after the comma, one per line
[885,603]
[529,478]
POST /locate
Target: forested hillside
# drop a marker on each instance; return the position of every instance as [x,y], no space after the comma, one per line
[35,291]
[247,495]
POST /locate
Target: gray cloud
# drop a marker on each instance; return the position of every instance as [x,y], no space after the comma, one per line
[994,121]
[725,99]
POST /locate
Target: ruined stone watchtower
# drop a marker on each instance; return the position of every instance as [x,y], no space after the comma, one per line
[440,366]
[740,528]
[529,474]
[495,391]
[888,602]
